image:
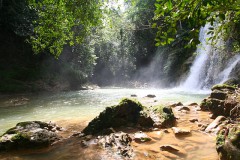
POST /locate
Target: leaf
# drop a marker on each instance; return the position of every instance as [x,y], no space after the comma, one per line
[169,4]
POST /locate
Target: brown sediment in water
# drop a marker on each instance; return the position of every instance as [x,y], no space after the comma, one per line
[197,145]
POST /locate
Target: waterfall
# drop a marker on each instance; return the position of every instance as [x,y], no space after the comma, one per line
[193,80]
[208,67]
[231,65]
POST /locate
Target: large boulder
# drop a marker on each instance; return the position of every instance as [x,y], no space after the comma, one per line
[30,134]
[129,113]
[126,112]
[228,142]
[222,101]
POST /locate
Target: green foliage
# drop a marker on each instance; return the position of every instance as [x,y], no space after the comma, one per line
[61,22]
[17,16]
[176,17]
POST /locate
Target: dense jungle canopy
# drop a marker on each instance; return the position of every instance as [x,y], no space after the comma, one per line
[63,44]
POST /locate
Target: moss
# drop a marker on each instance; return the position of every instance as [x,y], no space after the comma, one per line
[206,103]
[166,112]
[20,137]
[127,101]
[166,115]
[234,136]
[125,113]
[23,124]
[220,139]
[222,86]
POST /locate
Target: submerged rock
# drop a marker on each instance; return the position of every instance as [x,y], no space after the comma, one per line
[228,142]
[174,149]
[30,134]
[151,96]
[181,131]
[133,95]
[141,137]
[176,104]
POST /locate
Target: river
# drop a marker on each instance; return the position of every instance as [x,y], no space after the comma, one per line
[79,107]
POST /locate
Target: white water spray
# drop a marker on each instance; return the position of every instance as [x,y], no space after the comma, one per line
[194,78]
[231,65]
[208,68]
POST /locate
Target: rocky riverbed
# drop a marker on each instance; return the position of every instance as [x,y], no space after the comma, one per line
[147,130]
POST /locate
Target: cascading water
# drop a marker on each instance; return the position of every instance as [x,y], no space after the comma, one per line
[208,67]
[231,65]
[194,79]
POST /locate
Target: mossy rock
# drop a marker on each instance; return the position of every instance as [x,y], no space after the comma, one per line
[130,112]
[30,134]
[165,116]
[228,142]
[126,112]
[221,87]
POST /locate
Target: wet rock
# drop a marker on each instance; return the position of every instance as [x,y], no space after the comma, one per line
[133,95]
[163,117]
[117,143]
[223,87]
[107,131]
[235,112]
[151,96]
[30,134]
[127,111]
[145,119]
[181,131]
[176,104]
[218,95]
[78,134]
[204,105]
[174,149]
[166,131]
[184,108]
[131,113]
[193,104]
[222,101]
[193,120]
[215,123]
[228,142]
[141,137]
